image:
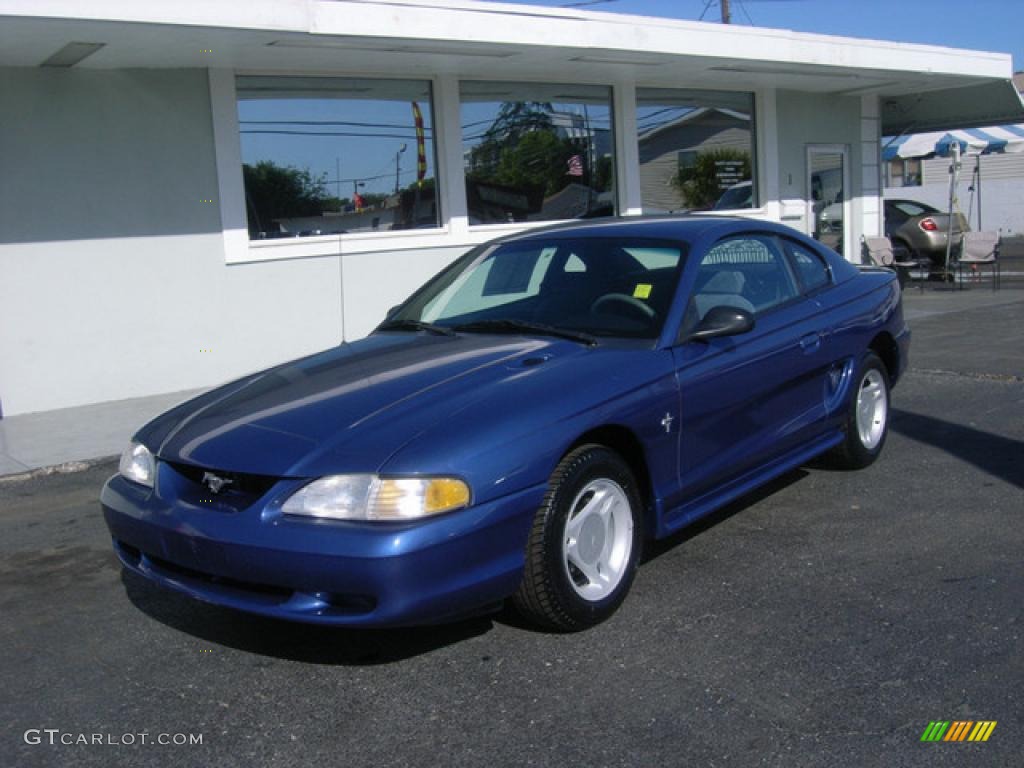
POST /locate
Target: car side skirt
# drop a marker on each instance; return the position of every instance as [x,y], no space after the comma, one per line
[691,511]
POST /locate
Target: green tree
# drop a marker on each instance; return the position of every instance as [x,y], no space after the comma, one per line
[604,174]
[276,192]
[701,184]
[515,119]
[539,159]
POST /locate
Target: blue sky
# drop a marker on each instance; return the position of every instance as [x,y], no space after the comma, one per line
[988,25]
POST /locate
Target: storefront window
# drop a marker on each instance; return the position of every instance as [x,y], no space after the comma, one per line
[330,155]
[696,150]
[537,152]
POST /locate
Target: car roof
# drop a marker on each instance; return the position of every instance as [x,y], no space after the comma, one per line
[918,203]
[693,229]
[685,227]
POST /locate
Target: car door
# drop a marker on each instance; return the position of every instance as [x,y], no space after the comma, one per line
[748,399]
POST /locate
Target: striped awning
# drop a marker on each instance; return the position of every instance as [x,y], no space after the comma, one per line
[972,141]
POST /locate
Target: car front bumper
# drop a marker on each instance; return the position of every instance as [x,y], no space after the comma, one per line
[321,571]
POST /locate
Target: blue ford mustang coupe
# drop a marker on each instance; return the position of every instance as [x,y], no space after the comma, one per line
[518,427]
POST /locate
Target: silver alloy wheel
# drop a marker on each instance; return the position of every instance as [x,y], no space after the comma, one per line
[872,409]
[598,539]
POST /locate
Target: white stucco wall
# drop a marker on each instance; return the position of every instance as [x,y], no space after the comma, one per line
[113,281]
[806,119]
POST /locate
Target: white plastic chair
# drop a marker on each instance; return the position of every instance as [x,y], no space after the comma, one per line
[879,251]
[979,249]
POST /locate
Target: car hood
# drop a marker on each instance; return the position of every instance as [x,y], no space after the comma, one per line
[352,406]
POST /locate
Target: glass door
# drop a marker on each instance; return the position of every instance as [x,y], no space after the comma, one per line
[828,204]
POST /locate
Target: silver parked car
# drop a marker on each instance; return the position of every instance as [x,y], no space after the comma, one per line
[919,231]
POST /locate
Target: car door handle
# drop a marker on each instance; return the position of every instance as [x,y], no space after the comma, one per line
[810,342]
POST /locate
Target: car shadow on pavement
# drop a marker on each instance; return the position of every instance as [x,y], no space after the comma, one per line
[293,641]
[994,455]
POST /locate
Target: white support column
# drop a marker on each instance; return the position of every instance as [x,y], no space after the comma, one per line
[627,150]
[869,196]
[451,181]
[766,127]
[228,149]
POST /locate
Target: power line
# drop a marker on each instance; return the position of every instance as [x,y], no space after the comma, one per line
[330,134]
[743,7]
[328,122]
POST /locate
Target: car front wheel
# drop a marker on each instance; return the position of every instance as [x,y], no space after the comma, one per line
[585,542]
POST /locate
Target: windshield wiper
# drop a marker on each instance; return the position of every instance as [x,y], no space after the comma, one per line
[415,325]
[525,326]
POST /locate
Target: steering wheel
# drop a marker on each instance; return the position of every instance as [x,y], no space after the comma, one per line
[624,300]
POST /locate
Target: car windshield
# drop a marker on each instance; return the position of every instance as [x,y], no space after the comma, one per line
[579,288]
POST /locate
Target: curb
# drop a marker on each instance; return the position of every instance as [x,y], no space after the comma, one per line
[67,468]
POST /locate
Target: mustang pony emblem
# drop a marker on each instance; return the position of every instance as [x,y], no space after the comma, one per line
[216,483]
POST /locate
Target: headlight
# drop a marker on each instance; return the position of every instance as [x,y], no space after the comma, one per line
[368,497]
[138,465]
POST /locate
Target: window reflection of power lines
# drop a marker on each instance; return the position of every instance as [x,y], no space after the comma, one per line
[598,121]
[328,122]
[593,119]
[390,175]
[281,128]
[334,134]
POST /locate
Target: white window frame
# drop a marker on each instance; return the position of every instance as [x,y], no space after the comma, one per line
[240,249]
[454,230]
[492,230]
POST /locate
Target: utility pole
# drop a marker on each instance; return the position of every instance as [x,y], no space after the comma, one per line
[726,13]
[398,167]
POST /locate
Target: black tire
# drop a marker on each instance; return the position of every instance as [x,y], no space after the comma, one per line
[550,592]
[858,451]
[903,252]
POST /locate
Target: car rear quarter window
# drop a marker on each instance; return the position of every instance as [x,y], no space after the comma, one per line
[810,268]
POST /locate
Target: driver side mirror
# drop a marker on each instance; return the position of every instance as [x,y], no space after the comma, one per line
[722,321]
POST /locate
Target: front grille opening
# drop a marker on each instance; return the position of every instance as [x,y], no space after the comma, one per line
[344,604]
[263,594]
[209,578]
[241,483]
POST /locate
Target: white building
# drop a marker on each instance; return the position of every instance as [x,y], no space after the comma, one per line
[132,261]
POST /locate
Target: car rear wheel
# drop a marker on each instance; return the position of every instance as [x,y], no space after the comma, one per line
[585,542]
[867,421]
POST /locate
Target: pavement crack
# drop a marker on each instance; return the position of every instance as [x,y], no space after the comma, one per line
[1010,378]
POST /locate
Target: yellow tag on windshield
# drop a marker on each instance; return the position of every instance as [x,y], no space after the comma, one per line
[642,291]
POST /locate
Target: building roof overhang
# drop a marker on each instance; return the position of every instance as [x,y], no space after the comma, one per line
[920,87]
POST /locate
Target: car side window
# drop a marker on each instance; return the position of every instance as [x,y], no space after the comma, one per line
[810,268]
[748,272]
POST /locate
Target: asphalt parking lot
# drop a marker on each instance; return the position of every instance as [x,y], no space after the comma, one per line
[822,622]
